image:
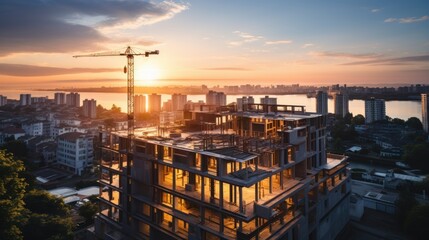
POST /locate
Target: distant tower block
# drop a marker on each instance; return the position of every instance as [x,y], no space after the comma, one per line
[90,108]
[139,104]
[425,111]
[375,110]
[154,103]
[341,102]
[178,101]
[322,102]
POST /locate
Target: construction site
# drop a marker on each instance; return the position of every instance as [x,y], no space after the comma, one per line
[258,173]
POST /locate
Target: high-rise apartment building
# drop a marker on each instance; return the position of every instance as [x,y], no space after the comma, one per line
[243,101]
[73,99]
[341,104]
[322,102]
[178,101]
[139,104]
[425,111]
[375,110]
[24,99]
[75,151]
[268,100]
[216,98]
[90,108]
[167,106]
[154,103]
[3,100]
[227,175]
[60,98]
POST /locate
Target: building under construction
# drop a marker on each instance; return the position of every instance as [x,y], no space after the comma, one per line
[260,173]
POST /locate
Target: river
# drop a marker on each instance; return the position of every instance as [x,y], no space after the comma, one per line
[394,109]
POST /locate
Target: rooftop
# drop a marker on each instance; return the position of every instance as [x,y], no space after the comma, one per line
[71,136]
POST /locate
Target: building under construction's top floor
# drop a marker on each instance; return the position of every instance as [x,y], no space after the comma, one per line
[262,173]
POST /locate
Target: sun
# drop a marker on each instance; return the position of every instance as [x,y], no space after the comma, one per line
[147,74]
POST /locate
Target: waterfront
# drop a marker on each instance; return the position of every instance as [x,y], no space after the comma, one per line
[394,109]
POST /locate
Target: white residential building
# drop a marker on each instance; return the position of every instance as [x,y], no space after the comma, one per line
[375,110]
[37,128]
[60,130]
[75,152]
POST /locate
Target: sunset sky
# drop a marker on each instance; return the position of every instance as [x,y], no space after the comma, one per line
[222,42]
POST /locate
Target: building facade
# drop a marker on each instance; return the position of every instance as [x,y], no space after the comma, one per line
[139,104]
[251,175]
[341,104]
[216,98]
[73,99]
[75,152]
[375,110]
[24,99]
[268,100]
[3,100]
[322,102]
[243,101]
[90,108]
[154,103]
[178,101]
[37,128]
[425,112]
[60,98]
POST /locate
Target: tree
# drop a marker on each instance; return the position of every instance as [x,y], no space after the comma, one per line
[17,148]
[405,203]
[42,202]
[417,222]
[115,109]
[45,226]
[88,211]
[49,217]
[416,155]
[398,121]
[358,120]
[348,118]
[414,123]
[100,110]
[12,190]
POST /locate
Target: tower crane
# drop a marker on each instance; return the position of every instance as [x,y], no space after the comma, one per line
[129,69]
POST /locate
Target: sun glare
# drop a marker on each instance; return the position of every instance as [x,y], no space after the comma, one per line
[147,74]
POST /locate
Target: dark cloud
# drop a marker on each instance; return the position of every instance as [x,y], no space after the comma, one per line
[393,61]
[227,69]
[20,70]
[64,26]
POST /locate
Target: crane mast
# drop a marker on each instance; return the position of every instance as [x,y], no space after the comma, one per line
[129,53]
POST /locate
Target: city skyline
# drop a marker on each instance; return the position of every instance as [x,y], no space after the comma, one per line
[280,42]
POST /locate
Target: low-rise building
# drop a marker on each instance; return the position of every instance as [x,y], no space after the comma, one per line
[75,152]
